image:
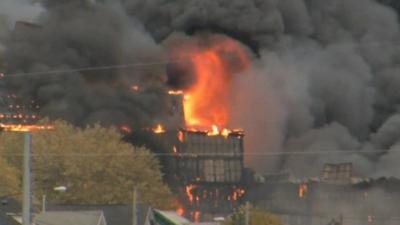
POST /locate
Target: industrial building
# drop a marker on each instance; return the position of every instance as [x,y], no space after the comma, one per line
[210,171]
[206,168]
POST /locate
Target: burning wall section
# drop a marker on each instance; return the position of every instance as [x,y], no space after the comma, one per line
[209,159]
[205,169]
[204,166]
[210,170]
[16,113]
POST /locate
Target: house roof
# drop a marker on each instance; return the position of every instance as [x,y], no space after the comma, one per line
[116,214]
[7,220]
[205,223]
[169,218]
[69,217]
[10,205]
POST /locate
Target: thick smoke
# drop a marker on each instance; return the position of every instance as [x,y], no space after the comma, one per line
[324,76]
[325,80]
[13,10]
[81,34]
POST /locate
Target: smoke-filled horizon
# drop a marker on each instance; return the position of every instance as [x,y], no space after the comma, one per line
[324,74]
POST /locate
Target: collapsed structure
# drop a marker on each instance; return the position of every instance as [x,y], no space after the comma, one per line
[335,196]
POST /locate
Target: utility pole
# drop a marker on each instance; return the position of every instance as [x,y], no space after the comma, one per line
[26,207]
[247,214]
[43,203]
[134,206]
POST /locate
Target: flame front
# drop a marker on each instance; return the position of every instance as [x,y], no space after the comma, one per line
[189,193]
[303,189]
[180,211]
[181,137]
[158,129]
[24,128]
[206,102]
[125,129]
[237,193]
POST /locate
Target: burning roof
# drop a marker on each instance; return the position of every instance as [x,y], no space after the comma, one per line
[207,98]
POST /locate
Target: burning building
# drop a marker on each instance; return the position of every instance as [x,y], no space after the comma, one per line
[210,169]
[204,166]
[202,158]
[15,112]
[208,160]
[306,51]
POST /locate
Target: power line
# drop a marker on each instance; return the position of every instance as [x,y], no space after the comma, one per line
[153,63]
[198,154]
[94,68]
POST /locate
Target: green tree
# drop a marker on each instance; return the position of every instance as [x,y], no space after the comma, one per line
[95,165]
[9,182]
[257,216]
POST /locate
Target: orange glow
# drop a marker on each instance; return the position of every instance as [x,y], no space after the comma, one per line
[180,211]
[196,216]
[303,189]
[186,97]
[206,102]
[135,88]
[158,129]
[225,133]
[189,193]
[24,128]
[370,219]
[177,92]
[125,129]
[214,131]
[237,193]
[174,150]
[180,136]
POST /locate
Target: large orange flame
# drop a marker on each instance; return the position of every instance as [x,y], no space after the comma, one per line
[206,102]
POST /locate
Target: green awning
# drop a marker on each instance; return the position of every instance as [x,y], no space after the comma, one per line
[168,218]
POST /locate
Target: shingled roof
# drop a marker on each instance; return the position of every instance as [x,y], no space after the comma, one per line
[7,220]
[116,214]
[70,217]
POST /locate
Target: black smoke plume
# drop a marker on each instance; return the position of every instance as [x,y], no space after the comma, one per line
[81,34]
[325,77]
